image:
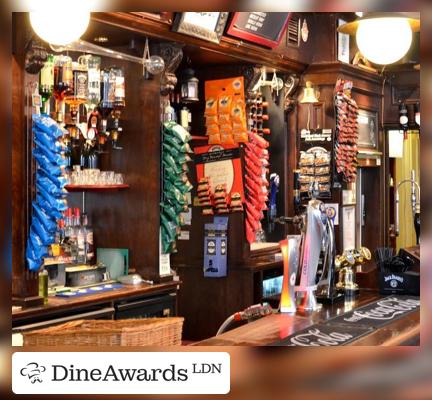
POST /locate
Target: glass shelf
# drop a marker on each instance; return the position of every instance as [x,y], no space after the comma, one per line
[95,188]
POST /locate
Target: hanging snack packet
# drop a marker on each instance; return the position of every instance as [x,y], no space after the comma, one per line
[214,139]
[224,104]
[224,119]
[237,112]
[211,106]
[48,125]
[212,130]
[47,221]
[212,119]
[227,138]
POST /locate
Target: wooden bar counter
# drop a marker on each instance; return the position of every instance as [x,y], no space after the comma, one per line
[274,327]
[62,307]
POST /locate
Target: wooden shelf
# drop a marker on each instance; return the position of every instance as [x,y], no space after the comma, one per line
[95,188]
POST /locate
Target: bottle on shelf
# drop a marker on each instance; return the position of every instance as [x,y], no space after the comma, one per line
[108,80]
[89,239]
[81,238]
[63,83]
[71,247]
[46,83]
[94,78]
[118,105]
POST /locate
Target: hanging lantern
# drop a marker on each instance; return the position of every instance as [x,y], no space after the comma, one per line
[189,86]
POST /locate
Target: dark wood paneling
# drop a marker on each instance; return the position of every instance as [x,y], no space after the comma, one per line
[24,283]
[207,302]
[367,92]
[130,218]
[234,48]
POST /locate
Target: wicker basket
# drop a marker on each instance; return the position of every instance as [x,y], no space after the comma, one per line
[127,332]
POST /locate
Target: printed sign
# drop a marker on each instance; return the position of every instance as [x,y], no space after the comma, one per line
[222,164]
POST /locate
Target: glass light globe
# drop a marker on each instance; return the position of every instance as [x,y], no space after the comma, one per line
[384,40]
[60,22]
[156,65]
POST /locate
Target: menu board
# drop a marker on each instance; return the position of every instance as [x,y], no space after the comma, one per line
[265,28]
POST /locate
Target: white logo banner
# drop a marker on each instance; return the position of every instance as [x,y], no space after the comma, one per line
[121,373]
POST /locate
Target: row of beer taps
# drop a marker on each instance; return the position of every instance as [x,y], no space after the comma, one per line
[311,263]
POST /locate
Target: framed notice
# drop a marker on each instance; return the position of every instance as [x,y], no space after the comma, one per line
[222,164]
[367,129]
[264,28]
[204,25]
[349,227]
[343,44]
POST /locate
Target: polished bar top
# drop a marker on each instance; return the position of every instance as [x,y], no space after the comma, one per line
[274,327]
[56,304]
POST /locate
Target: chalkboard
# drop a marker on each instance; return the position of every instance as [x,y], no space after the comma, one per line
[265,28]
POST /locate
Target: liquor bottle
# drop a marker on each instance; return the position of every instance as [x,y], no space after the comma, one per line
[63,82]
[46,82]
[94,81]
[89,240]
[70,235]
[119,104]
[81,238]
[79,91]
[108,81]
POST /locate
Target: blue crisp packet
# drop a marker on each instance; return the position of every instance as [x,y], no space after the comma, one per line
[46,164]
[56,157]
[48,222]
[35,247]
[51,144]
[48,125]
[46,237]
[47,207]
[48,185]
[59,180]
[34,265]
[57,204]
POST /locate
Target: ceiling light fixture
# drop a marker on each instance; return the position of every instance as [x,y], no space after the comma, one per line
[383,38]
[60,22]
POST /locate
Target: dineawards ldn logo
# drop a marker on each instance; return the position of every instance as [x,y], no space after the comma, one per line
[121,373]
[33,371]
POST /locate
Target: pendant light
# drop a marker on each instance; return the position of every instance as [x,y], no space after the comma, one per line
[383,38]
[60,22]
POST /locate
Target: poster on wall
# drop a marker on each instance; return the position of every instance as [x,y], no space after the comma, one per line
[343,44]
[264,28]
[222,164]
[349,227]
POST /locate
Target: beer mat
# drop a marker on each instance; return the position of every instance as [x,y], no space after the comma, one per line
[89,291]
[346,328]
[325,335]
[380,312]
